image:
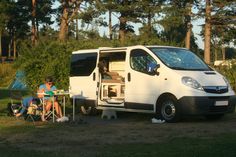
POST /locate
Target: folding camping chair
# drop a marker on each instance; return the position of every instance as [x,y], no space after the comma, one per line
[16,100]
[35,110]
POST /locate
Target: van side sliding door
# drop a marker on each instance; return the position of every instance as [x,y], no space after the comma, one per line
[84,77]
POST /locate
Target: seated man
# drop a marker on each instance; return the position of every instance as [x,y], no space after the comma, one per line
[102,66]
[48,87]
[25,104]
[106,75]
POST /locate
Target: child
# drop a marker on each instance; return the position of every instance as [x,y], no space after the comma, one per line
[25,104]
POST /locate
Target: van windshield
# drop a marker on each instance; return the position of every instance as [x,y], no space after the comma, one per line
[179,59]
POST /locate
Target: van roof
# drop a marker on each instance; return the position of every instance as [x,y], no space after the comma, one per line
[104,49]
[85,51]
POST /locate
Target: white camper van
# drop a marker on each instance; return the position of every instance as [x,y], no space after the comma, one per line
[169,81]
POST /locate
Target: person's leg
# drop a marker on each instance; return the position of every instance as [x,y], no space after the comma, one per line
[47,107]
[58,109]
[25,105]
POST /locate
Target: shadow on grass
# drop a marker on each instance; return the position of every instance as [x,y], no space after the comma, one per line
[6,93]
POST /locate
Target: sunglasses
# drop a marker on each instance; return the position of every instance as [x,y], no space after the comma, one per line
[50,83]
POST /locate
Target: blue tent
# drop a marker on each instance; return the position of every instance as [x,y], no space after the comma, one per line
[18,83]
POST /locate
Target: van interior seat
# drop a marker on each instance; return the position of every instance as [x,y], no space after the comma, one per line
[111,81]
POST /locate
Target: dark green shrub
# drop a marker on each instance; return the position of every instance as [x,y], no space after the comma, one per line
[45,59]
[229,73]
[7,74]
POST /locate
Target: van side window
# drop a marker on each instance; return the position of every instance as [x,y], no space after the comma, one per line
[140,60]
[83,64]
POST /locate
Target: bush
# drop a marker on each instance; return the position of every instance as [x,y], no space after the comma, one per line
[229,73]
[45,59]
[7,74]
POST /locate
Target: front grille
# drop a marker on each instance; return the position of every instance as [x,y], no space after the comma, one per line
[216,89]
[214,109]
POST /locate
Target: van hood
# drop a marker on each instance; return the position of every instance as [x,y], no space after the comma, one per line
[205,78]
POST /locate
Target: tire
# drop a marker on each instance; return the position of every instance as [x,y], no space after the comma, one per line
[169,109]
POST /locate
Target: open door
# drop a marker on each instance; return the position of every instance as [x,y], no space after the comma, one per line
[112,86]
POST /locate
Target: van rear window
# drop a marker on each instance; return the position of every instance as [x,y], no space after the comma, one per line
[83,64]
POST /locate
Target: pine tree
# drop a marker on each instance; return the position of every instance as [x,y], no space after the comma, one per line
[70,9]
[4,6]
[176,23]
[223,23]
[207,34]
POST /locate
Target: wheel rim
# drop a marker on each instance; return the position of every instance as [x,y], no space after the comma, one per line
[168,110]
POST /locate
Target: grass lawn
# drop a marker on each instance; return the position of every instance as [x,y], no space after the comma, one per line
[131,135]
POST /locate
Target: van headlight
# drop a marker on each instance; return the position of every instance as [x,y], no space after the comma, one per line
[227,83]
[188,81]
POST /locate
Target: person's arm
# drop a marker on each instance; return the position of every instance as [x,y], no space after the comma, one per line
[53,88]
[40,90]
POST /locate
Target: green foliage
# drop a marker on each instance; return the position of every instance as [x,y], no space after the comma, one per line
[229,73]
[45,59]
[3,13]
[7,73]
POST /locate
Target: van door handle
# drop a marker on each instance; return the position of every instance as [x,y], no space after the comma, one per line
[129,77]
[94,76]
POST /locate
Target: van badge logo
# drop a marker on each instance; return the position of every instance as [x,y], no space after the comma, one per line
[218,88]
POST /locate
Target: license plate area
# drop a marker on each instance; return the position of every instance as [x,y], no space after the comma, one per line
[221,103]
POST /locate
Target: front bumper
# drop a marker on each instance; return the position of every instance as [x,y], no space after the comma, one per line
[206,105]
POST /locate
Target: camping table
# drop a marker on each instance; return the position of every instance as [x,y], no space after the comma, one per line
[56,94]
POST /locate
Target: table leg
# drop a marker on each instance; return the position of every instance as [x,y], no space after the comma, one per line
[64,105]
[73,108]
[43,116]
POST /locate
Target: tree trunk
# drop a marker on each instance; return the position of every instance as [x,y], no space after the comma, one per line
[223,53]
[33,29]
[207,43]
[122,30]
[188,36]
[189,28]
[37,30]
[222,47]
[64,25]
[77,29]
[14,46]
[0,43]
[66,17]
[9,49]
[149,24]
[216,55]
[110,26]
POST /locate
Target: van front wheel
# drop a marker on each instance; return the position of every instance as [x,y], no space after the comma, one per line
[169,109]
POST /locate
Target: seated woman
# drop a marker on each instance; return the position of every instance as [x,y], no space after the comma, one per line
[45,88]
